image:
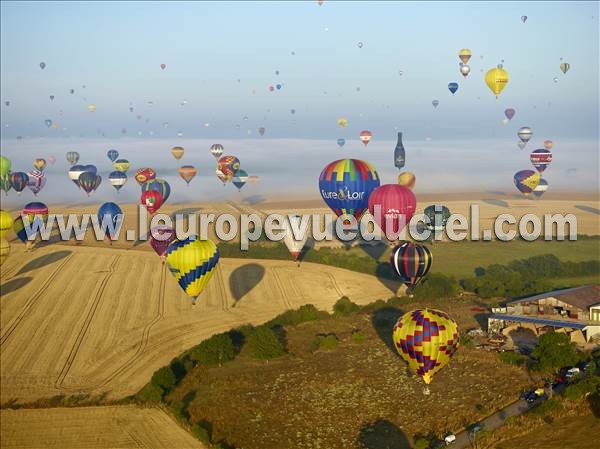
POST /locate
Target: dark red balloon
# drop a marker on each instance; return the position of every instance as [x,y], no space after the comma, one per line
[160,237]
[392,207]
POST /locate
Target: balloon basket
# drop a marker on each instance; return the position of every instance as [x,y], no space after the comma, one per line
[426,391]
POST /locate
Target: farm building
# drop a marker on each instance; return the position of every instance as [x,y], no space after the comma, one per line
[574,311]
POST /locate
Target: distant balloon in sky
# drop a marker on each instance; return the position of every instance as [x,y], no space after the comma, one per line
[523,19]
[239,179]
[72,157]
[400,72]
[278,86]
[360,45]
[435,103]
[342,122]
[51,97]
[565,66]
[555,80]
[509,113]
[48,123]
[541,159]
[496,79]
[117,179]
[180,134]
[261,131]
[407,179]
[51,159]
[521,144]
[42,65]
[464,55]
[453,87]
[92,108]
[271,88]
[504,121]
[187,173]
[548,144]
[526,181]
[341,142]
[540,189]
[71,91]
[465,70]
[112,155]
[7,103]
[217,149]
[177,152]
[163,66]
[365,137]
[525,134]
[121,165]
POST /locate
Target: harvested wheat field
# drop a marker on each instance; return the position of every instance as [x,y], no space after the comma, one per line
[121,427]
[100,321]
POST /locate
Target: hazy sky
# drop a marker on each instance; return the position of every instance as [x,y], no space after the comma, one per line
[222,57]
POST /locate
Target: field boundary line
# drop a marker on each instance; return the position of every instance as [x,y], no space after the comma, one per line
[86,324]
[32,300]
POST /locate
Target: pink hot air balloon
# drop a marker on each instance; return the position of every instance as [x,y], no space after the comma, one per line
[509,113]
[392,207]
[51,159]
[163,66]
[160,238]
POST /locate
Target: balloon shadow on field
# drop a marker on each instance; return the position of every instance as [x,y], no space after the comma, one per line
[14,284]
[496,202]
[44,260]
[184,211]
[243,279]
[591,210]
[373,249]
[382,434]
[387,277]
[310,244]
[383,321]
[495,192]
[254,199]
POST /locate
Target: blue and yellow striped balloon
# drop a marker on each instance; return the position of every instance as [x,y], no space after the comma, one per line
[192,262]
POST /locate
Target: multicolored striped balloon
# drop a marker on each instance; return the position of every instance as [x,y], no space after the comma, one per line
[411,262]
[187,173]
[145,174]
[36,181]
[192,262]
[540,159]
[160,185]
[540,189]
[426,339]
[346,186]
[526,181]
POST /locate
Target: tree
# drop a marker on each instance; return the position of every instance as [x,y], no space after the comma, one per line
[216,350]
[264,344]
[344,306]
[555,351]
[164,378]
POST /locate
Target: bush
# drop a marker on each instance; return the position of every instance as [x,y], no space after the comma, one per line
[303,314]
[467,341]
[164,378]
[584,387]
[554,351]
[421,443]
[201,433]
[217,349]
[150,393]
[512,358]
[437,285]
[324,342]
[375,306]
[179,410]
[358,336]
[264,344]
[547,407]
[344,306]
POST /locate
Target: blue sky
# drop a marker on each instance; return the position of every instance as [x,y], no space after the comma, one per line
[115,50]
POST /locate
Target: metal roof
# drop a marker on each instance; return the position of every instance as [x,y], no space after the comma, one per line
[582,297]
[541,321]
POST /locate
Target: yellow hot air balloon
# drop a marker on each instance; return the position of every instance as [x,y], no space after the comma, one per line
[496,79]
[39,164]
[92,107]
[6,223]
[192,261]
[177,152]
[426,339]
[121,165]
[564,67]
[407,179]
[342,121]
[4,250]
[464,55]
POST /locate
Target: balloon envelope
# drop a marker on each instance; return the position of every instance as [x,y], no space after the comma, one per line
[540,159]
[112,155]
[496,79]
[341,142]
[159,185]
[540,189]
[509,113]
[110,216]
[160,238]
[117,179]
[526,181]
[392,207]
[177,152]
[453,87]
[145,174]
[217,149]
[525,134]
[407,179]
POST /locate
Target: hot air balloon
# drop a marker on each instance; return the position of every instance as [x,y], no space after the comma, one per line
[36,181]
[163,66]
[48,123]
[526,181]
[51,159]
[239,179]
[525,134]
[464,55]
[160,239]
[407,179]
[496,79]
[346,185]
[121,165]
[453,87]
[540,159]
[540,189]
[4,166]
[42,65]
[509,113]
[341,142]
[253,179]
[426,339]
[152,200]
[228,165]
[89,182]
[359,45]
[465,70]
[342,122]
[177,152]
[521,145]
[51,97]
[71,91]
[72,157]
[435,103]
[36,214]
[159,185]
[4,250]
[217,150]
[92,108]
[399,153]
[261,131]
[110,213]
[565,66]
[411,262]
[438,216]
[5,184]
[39,164]
[523,19]
[392,207]
[117,179]
[365,137]
[187,173]
[144,175]
[18,181]
[192,262]
[75,172]
[223,177]
[6,223]
[293,244]
[112,155]
[548,144]
[7,103]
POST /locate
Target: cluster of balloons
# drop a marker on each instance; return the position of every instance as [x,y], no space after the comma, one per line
[528,181]
[35,179]
[228,168]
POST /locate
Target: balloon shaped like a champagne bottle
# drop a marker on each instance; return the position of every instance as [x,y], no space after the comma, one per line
[399,154]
